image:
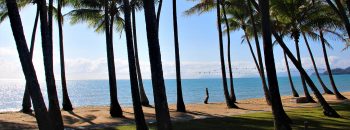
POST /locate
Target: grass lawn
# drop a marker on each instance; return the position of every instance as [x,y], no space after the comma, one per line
[263,121]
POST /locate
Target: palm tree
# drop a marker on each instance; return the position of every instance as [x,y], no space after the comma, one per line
[295,93]
[232,91]
[229,102]
[139,116]
[205,6]
[102,18]
[180,105]
[257,45]
[339,9]
[291,17]
[41,114]
[323,19]
[282,121]
[26,105]
[336,92]
[46,38]
[325,89]
[239,20]
[160,99]
[66,103]
[137,4]
[327,110]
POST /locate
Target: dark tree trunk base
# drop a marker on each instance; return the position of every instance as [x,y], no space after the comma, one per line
[67,107]
[331,113]
[340,97]
[116,112]
[26,110]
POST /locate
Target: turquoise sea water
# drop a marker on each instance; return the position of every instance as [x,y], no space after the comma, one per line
[96,92]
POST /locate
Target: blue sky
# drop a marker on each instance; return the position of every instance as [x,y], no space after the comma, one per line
[85,50]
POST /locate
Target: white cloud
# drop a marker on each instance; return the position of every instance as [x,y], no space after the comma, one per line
[83,68]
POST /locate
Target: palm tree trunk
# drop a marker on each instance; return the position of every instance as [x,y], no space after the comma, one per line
[47,46]
[267,95]
[306,91]
[180,105]
[257,44]
[324,87]
[232,90]
[26,105]
[339,9]
[336,92]
[138,113]
[160,99]
[159,10]
[41,114]
[229,102]
[327,110]
[115,110]
[143,96]
[67,105]
[282,121]
[295,93]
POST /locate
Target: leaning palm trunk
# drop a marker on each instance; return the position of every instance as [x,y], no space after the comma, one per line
[324,87]
[295,93]
[306,91]
[232,90]
[257,45]
[180,105]
[67,105]
[47,47]
[336,92]
[143,96]
[281,119]
[138,113]
[41,114]
[115,109]
[26,105]
[160,99]
[327,110]
[229,102]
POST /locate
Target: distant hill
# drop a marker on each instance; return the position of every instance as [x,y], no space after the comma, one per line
[338,71]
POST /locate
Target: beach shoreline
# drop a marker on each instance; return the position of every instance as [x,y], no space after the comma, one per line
[98,116]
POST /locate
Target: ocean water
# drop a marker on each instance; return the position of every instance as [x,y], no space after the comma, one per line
[96,92]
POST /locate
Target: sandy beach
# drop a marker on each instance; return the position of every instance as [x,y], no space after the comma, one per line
[98,116]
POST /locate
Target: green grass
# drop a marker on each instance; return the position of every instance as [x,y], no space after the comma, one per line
[263,121]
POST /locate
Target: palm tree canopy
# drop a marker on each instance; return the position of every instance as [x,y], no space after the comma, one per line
[92,13]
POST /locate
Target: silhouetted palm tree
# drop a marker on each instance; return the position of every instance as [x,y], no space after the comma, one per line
[66,103]
[325,89]
[102,18]
[137,4]
[138,113]
[47,47]
[232,91]
[291,17]
[180,105]
[160,99]
[41,114]
[339,9]
[26,104]
[281,119]
[229,102]
[336,92]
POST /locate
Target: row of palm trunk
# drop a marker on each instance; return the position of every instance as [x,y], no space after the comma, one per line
[282,121]
[52,119]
